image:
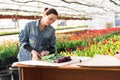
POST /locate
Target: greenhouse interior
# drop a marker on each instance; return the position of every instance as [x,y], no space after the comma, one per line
[60,39]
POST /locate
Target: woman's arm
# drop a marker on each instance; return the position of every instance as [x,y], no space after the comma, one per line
[52,43]
[24,36]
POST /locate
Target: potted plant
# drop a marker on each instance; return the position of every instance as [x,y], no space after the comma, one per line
[8,53]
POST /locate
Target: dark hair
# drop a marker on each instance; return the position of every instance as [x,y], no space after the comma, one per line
[49,11]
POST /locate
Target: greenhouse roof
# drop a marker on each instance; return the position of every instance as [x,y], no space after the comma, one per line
[64,7]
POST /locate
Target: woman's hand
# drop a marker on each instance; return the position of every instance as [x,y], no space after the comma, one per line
[43,53]
[35,55]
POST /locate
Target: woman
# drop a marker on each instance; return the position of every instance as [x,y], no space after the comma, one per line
[38,37]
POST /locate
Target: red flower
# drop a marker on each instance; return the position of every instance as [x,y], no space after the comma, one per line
[104,42]
[114,40]
[81,48]
[69,49]
[109,50]
[91,42]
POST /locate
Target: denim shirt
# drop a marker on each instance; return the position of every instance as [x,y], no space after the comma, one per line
[37,39]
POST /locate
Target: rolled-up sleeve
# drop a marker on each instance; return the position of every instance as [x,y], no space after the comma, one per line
[52,42]
[53,39]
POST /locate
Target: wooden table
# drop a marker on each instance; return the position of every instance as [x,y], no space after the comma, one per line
[69,72]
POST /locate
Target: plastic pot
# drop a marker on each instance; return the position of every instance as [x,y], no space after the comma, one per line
[5,74]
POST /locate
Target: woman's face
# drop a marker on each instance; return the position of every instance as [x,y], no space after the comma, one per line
[49,19]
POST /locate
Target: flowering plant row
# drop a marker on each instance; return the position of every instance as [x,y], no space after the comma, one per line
[9,49]
[83,43]
[84,46]
[82,38]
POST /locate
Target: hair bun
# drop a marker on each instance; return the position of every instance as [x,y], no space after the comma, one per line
[45,9]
